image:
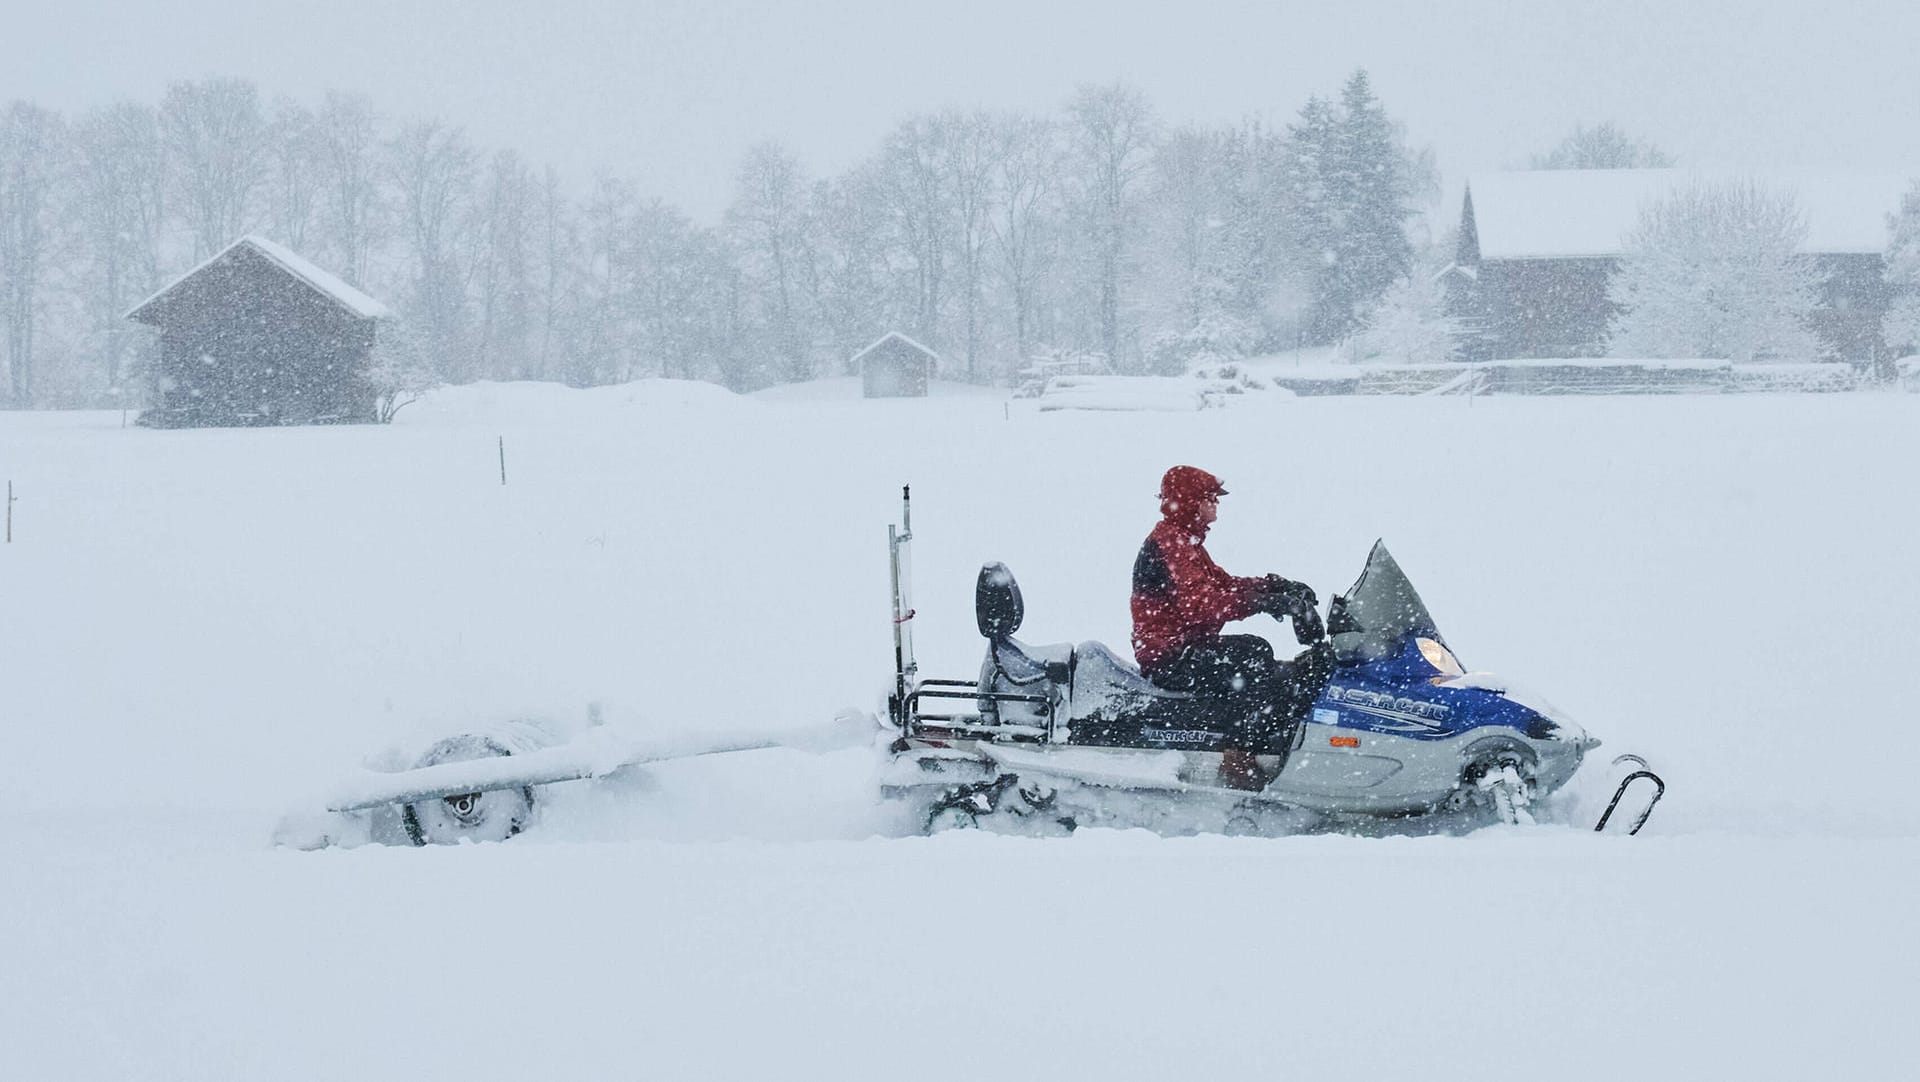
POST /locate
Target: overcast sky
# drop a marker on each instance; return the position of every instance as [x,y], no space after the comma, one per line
[669,94]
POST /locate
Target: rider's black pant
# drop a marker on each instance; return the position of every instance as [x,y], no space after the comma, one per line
[1242,667]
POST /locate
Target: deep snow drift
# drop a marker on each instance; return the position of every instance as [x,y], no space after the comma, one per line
[201,626]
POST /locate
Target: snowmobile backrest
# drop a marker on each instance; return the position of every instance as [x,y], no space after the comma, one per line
[997,607]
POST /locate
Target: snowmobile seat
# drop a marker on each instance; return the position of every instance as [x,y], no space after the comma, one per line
[1023,664]
[1099,667]
[1115,705]
[1013,667]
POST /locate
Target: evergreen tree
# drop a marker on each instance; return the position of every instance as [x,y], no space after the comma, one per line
[1373,182]
[1314,213]
[1350,183]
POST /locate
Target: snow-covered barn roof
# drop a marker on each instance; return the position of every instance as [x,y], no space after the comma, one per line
[1573,213]
[326,284]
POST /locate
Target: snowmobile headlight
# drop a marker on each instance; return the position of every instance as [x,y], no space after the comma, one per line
[1439,656]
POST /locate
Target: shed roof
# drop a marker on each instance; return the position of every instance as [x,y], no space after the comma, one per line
[860,357]
[326,284]
[1573,213]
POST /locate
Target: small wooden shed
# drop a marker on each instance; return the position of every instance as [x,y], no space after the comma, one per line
[895,367]
[256,335]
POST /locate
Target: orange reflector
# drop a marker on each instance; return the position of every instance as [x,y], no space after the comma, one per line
[1344,741]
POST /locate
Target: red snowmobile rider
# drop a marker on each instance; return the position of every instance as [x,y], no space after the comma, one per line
[1182,599]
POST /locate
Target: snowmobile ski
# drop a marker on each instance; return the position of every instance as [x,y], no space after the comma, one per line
[1647,801]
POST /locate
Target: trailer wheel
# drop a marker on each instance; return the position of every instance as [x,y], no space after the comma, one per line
[492,816]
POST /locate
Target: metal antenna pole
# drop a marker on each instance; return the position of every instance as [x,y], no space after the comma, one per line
[903,663]
[899,653]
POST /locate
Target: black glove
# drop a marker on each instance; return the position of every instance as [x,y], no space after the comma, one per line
[1286,597]
[1307,628]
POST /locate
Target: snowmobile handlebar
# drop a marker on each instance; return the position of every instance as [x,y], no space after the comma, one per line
[1285,599]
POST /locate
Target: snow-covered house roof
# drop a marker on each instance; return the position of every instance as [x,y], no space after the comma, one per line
[1587,213]
[326,284]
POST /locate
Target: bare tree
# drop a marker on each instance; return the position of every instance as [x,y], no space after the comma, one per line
[1603,146]
[1191,203]
[1112,134]
[1715,270]
[667,286]
[558,240]
[120,181]
[972,171]
[504,273]
[768,220]
[31,145]
[295,173]
[214,135]
[601,352]
[400,371]
[1029,163]
[850,280]
[913,165]
[433,170]
[350,199]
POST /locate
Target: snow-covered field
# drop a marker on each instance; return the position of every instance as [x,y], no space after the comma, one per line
[199,627]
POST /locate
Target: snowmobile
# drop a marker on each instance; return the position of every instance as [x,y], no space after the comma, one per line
[1402,738]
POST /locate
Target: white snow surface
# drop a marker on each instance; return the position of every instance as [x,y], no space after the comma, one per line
[1569,213]
[201,626]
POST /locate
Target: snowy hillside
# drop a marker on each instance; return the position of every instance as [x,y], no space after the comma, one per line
[202,626]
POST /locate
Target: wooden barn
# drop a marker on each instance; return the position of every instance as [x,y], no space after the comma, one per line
[895,367]
[256,335]
[1536,249]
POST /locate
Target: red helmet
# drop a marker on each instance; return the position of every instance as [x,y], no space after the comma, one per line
[1190,483]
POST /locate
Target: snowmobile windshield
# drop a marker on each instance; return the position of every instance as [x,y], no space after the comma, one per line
[1374,618]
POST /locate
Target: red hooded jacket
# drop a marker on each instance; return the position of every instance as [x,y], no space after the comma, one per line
[1180,596]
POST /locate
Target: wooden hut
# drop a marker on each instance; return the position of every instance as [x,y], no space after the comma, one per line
[256,335]
[895,367]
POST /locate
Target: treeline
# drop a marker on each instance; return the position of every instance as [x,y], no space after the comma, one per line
[994,238]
